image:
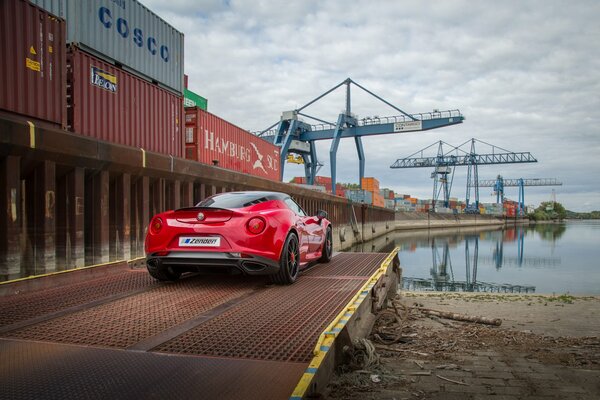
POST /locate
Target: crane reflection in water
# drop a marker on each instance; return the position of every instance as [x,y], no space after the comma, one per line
[442,271]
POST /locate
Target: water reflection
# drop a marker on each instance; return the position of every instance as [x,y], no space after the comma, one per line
[514,259]
[442,271]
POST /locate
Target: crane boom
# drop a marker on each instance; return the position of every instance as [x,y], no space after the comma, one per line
[464,160]
[526,182]
[458,156]
[295,136]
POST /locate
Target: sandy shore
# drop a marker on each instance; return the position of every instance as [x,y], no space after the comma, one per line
[547,347]
[559,315]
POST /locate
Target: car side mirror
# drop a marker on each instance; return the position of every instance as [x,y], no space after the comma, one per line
[321,214]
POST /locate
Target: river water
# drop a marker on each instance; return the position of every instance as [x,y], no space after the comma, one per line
[545,258]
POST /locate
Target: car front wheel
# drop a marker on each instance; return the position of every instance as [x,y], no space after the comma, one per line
[289,262]
[327,252]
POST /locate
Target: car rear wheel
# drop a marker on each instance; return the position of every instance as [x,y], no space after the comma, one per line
[289,263]
[162,273]
[327,247]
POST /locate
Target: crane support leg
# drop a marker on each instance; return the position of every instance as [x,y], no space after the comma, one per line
[285,146]
[310,164]
[334,147]
[361,159]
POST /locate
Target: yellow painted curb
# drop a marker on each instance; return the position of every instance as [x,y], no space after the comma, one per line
[335,327]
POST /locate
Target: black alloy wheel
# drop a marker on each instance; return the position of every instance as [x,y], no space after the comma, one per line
[289,262]
[327,252]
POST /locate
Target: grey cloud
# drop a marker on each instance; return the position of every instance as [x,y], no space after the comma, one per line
[525,74]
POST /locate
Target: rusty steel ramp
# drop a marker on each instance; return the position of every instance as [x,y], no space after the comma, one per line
[125,336]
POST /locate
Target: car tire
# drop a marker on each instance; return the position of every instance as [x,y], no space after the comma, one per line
[162,274]
[289,262]
[327,252]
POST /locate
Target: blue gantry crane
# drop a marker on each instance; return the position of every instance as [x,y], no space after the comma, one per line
[446,160]
[500,183]
[294,136]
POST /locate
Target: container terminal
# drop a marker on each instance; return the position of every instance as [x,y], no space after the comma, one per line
[98,132]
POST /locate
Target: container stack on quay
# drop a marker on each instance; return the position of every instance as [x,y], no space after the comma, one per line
[33,66]
[321,181]
[359,196]
[214,141]
[99,93]
[371,184]
[112,71]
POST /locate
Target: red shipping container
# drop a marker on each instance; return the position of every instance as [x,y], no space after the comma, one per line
[32,62]
[110,104]
[214,141]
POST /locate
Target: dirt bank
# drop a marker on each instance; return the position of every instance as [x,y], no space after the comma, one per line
[546,347]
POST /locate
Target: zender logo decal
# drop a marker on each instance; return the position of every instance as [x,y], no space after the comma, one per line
[103,79]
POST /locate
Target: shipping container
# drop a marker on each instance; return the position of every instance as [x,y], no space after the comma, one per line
[378,200]
[32,62]
[370,184]
[359,196]
[110,104]
[191,99]
[214,141]
[311,187]
[127,32]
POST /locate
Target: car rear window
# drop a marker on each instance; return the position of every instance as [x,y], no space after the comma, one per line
[235,200]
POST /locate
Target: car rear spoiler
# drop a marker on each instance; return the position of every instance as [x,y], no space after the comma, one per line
[202,208]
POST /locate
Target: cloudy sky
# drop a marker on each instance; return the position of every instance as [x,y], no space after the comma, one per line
[526,75]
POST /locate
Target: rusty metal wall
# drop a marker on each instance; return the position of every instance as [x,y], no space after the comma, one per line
[127,32]
[110,104]
[32,62]
[212,140]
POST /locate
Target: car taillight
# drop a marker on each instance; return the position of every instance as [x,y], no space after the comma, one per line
[156,225]
[256,225]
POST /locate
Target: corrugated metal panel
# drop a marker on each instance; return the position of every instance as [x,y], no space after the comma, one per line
[110,104]
[212,140]
[127,32]
[191,99]
[32,62]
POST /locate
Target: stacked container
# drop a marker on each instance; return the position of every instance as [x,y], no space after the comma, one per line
[360,196]
[214,141]
[126,33]
[32,62]
[108,103]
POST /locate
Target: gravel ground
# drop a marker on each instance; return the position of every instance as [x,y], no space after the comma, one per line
[547,347]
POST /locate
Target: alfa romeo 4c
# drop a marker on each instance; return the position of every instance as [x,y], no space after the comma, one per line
[254,233]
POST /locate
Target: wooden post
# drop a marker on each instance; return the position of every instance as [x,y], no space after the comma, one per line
[70,246]
[175,200]
[187,199]
[120,240]
[41,218]
[97,218]
[10,218]
[142,214]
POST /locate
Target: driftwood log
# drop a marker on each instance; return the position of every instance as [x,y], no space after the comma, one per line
[462,317]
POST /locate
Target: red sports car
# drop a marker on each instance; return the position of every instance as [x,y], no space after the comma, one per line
[255,233]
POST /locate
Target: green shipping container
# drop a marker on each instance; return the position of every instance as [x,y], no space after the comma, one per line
[191,99]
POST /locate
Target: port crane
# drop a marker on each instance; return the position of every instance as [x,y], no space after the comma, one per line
[447,159]
[500,183]
[298,137]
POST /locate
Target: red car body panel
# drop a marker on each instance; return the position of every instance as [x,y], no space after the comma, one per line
[237,248]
